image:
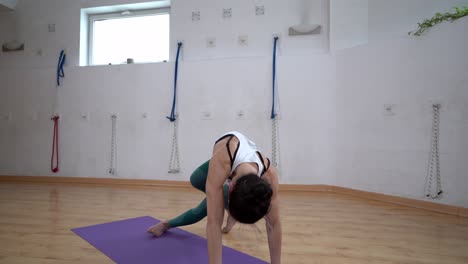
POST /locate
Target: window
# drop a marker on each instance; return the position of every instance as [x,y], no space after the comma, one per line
[139,35]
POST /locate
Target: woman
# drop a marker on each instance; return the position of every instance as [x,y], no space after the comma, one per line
[239,178]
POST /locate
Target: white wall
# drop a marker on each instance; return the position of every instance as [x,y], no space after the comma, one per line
[223,80]
[279,15]
[7,27]
[34,16]
[389,154]
[222,87]
[349,23]
[333,130]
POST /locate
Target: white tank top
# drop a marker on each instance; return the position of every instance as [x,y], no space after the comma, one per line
[246,152]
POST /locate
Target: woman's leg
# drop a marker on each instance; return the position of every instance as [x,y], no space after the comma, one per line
[194,215]
[191,216]
[199,176]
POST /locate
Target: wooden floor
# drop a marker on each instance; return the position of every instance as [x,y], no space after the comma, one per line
[35,223]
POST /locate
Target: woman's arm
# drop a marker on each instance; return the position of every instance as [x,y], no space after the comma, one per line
[217,173]
[273,222]
[273,226]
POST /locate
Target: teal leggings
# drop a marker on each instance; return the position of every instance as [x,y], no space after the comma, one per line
[194,215]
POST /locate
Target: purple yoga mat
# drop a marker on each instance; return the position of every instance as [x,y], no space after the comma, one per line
[128,242]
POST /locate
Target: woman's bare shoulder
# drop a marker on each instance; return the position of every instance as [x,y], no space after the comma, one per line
[220,149]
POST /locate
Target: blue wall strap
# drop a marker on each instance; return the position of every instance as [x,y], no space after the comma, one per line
[61,62]
[172,117]
[273,110]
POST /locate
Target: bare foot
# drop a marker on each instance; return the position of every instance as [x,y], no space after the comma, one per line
[229,224]
[159,229]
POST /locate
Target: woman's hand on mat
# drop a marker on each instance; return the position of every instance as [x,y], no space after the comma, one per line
[159,229]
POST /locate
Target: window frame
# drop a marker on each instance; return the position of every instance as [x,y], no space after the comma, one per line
[118,15]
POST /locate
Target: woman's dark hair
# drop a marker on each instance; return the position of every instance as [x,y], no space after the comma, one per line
[250,199]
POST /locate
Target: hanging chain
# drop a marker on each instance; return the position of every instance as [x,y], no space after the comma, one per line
[434,163]
[274,142]
[112,169]
[174,162]
[275,155]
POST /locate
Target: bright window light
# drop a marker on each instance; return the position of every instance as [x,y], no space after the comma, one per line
[143,38]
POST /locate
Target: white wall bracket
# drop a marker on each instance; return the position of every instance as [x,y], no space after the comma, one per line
[305,29]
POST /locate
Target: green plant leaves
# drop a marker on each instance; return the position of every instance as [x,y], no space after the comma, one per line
[439,18]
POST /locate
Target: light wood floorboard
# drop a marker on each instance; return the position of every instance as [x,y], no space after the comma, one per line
[35,223]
